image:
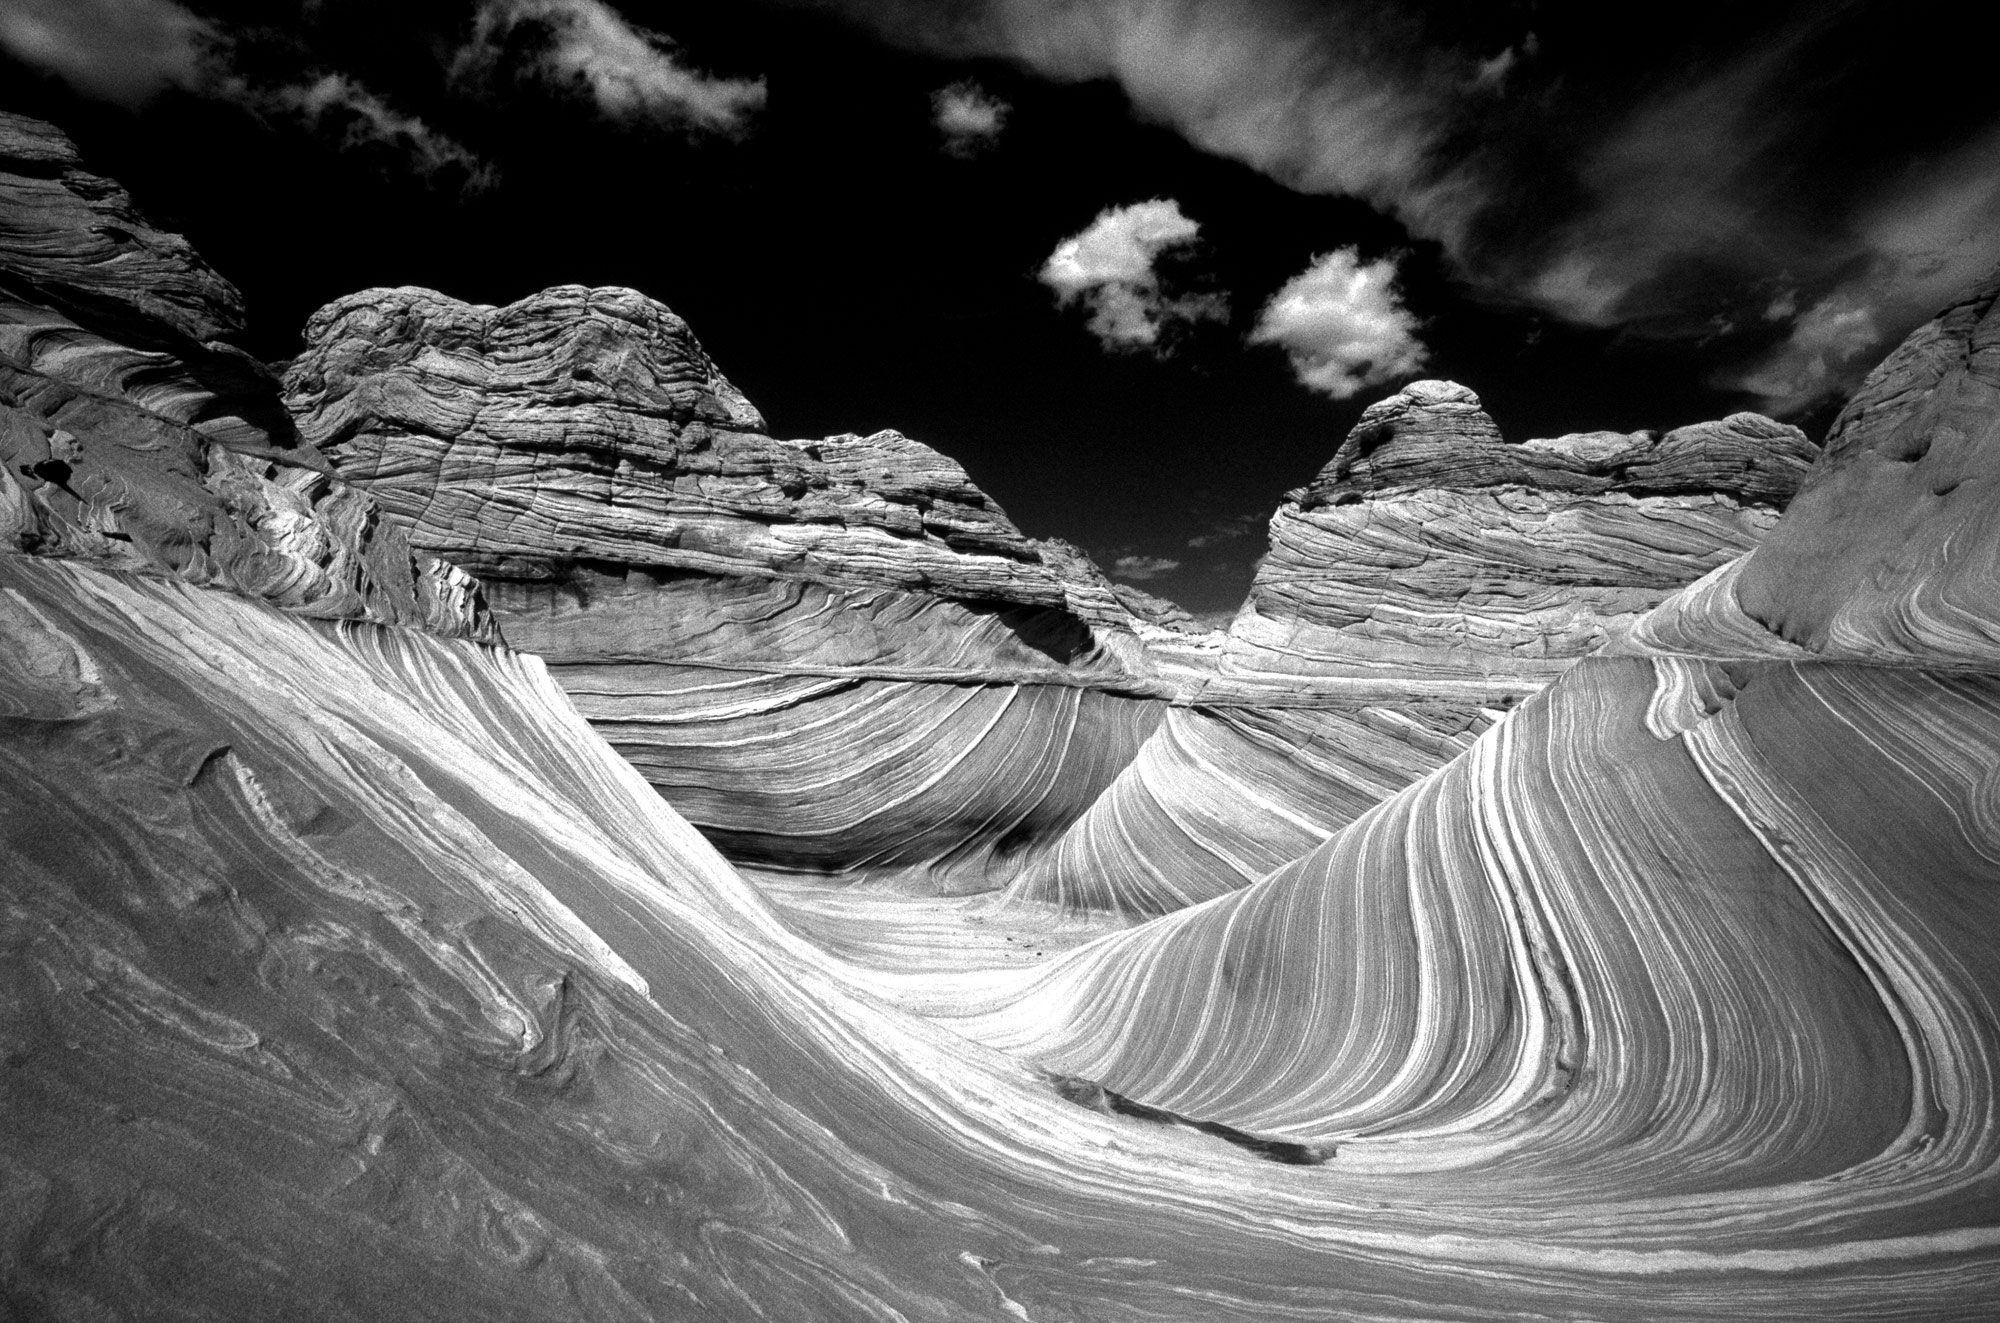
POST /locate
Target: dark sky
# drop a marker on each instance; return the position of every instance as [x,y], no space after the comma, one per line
[1641,223]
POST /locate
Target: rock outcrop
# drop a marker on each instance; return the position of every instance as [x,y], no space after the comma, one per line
[1696,938]
[134,436]
[1431,577]
[1430,548]
[835,656]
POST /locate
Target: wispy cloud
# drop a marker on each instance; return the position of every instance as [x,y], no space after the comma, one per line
[1491,75]
[336,104]
[1229,530]
[130,51]
[632,73]
[969,117]
[1338,99]
[1343,325]
[127,51]
[1141,568]
[1110,267]
[1924,243]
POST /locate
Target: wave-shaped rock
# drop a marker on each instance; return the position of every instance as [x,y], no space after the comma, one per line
[1693,944]
[1431,577]
[834,656]
[133,436]
[345,972]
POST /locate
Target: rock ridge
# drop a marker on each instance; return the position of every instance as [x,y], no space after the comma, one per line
[133,437]
[1435,434]
[580,426]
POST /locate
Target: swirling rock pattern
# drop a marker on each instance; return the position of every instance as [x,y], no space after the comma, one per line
[349,975]
[74,241]
[1431,577]
[588,426]
[345,972]
[131,436]
[835,656]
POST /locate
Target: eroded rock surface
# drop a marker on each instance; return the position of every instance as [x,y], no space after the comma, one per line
[834,655]
[1431,577]
[346,973]
[133,436]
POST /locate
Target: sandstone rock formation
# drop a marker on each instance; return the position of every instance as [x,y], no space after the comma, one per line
[1695,938]
[764,627]
[833,656]
[345,972]
[132,435]
[1431,577]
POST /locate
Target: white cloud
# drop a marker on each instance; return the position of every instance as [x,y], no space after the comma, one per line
[1141,568]
[337,101]
[1109,267]
[968,116]
[631,72]
[126,51]
[1343,325]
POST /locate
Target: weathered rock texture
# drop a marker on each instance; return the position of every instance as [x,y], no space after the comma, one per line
[345,973]
[1431,577]
[1695,943]
[133,436]
[833,656]
[1429,547]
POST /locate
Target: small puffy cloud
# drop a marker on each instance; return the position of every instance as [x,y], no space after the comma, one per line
[1110,268]
[968,116]
[336,103]
[1343,325]
[632,73]
[126,51]
[1140,568]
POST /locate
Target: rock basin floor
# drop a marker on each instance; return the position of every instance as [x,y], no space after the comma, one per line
[884,929]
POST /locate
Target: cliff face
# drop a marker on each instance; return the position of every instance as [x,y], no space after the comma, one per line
[1430,577]
[134,437]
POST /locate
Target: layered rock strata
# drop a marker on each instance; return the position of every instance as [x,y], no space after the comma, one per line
[1695,938]
[1431,577]
[1429,548]
[348,974]
[836,656]
[134,436]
